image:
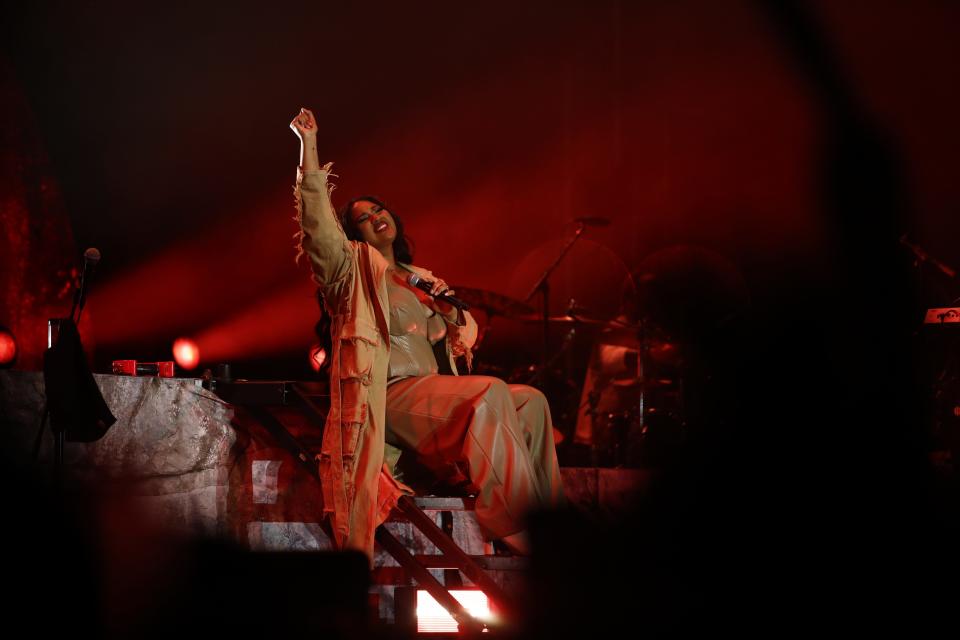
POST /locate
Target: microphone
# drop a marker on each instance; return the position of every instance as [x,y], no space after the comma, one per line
[91,256]
[90,259]
[426,286]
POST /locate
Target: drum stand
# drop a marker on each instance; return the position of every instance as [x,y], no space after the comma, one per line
[543,286]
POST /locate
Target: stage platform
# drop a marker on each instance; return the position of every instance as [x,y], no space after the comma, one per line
[196,465]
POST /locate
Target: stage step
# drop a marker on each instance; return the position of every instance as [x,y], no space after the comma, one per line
[397,576]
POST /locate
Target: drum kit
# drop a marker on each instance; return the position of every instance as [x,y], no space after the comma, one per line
[614,372]
[614,385]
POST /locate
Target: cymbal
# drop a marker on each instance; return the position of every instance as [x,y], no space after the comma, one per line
[568,319]
[565,319]
[617,323]
[492,303]
[646,383]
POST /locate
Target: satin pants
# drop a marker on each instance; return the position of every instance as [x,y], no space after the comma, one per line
[499,436]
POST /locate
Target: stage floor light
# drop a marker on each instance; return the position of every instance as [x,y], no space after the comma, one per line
[8,348]
[186,353]
[433,618]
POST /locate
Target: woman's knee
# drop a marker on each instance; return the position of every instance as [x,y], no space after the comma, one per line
[527,397]
[492,387]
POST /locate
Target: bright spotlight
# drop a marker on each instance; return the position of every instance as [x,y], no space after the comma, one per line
[8,348]
[433,618]
[186,353]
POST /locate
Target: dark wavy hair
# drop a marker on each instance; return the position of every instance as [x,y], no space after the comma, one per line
[402,245]
[402,252]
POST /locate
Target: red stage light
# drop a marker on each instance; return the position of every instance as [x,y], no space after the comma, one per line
[8,348]
[317,357]
[186,353]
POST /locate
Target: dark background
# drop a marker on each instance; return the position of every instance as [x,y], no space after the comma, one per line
[489,127]
[787,146]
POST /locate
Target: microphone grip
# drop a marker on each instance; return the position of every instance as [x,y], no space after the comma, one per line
[426,286]
[454,301]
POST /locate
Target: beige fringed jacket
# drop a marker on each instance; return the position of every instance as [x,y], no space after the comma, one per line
[358,488]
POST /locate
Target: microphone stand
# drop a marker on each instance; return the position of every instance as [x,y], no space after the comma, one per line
[543,286]
[79,301]
[80,297]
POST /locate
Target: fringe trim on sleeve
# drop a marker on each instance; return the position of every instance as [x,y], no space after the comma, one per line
[299,237]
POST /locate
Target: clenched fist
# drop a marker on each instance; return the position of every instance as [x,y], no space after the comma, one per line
[304,124]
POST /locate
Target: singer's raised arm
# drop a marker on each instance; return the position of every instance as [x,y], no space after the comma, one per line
[321,237]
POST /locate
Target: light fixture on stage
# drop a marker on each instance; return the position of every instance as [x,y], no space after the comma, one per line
[186,353]
[433,618]
[8,348]
[136,368]
[318,356]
